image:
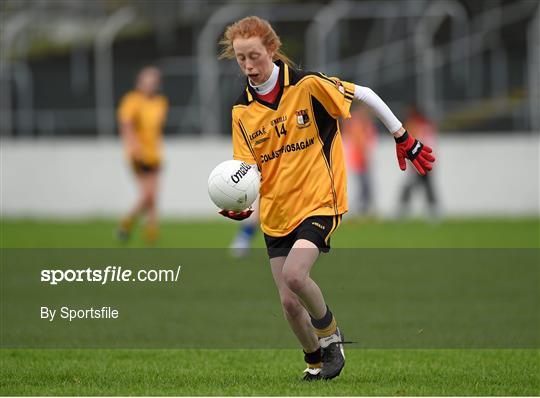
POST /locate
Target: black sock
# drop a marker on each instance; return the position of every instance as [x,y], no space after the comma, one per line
[324,322]
[313,358]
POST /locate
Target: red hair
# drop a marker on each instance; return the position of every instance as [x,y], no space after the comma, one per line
[252,27]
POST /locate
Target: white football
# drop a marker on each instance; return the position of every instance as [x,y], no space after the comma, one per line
[233,185]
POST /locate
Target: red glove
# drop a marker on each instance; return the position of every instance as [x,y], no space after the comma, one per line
[236,215]
[407,147]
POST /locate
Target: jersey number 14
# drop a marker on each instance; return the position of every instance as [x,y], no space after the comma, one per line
[280,131]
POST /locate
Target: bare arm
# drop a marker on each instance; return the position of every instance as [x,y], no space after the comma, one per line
[129,138]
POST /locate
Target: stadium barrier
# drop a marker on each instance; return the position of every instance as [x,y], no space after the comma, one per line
[475,176]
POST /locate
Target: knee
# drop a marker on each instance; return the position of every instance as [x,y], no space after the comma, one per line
[294,280]
[291,306]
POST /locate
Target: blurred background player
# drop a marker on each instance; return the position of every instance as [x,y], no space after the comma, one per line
[426,131]
[141,115]
[246,233]
[360,138]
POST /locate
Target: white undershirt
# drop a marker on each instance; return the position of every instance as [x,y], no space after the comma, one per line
[378,106]
[267,86]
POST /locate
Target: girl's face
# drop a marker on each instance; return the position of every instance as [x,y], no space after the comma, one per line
[148,81]
[254,59]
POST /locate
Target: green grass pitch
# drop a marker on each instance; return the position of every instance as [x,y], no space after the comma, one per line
[476,233]
[267,373]
[393,372]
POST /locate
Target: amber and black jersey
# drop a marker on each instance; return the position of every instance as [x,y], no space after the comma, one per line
[147,114]
[296,144]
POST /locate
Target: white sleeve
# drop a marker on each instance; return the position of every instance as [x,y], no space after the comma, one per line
[379,108]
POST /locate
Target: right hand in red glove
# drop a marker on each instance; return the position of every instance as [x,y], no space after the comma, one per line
[407,147]
[236,215]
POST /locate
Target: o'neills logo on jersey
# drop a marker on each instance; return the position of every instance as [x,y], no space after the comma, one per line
[318,225]
[280,119]
[242,171]
[302,118]
[297,146]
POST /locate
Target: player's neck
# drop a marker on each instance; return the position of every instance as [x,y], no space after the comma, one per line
[268,85]
[146,94]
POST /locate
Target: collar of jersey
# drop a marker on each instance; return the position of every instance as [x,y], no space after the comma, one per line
[283,80]
[269,85]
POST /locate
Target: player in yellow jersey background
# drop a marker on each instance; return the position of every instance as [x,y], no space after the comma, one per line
[286,122]
[141,116]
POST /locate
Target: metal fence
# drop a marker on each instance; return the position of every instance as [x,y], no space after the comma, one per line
[469,65]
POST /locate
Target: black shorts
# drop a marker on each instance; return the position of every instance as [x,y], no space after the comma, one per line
[316,229]
[140,167]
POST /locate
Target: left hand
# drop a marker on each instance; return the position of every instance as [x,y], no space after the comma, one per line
[236,215]
[407,147]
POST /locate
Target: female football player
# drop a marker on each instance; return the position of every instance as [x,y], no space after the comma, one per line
[141,116]
[286,122]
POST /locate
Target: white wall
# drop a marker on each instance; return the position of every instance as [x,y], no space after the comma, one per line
[475,176]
